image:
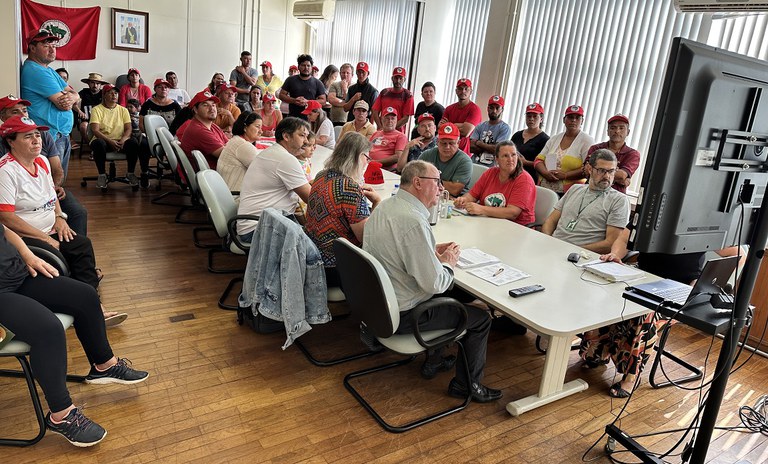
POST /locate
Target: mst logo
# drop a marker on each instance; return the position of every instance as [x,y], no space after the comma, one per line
[59,29]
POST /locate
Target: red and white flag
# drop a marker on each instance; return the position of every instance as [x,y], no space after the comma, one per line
[78,28]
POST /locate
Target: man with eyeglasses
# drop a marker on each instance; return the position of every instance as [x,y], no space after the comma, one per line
[591,215]
[454,165]
[399,236]
[627,157]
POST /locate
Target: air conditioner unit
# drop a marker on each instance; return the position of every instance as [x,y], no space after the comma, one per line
[720,6]
[314,10]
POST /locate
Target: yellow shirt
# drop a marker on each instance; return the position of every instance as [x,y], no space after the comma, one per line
[111,121]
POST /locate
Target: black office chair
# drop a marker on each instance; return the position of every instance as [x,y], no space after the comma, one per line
[372,298]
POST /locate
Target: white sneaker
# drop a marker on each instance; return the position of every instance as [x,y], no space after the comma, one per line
[101,182]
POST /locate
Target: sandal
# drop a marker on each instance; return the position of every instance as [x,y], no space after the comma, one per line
[616,391]
[99,274]
[113,318]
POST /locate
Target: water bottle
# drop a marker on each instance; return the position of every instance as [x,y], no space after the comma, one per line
[395,190]
[434,213]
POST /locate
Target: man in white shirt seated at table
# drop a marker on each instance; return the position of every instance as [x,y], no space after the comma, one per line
[275,178]
[399,236]
[591,215]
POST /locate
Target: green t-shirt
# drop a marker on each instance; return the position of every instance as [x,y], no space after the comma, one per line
[456,169]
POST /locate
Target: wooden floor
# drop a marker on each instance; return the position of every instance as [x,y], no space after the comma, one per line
[219,392]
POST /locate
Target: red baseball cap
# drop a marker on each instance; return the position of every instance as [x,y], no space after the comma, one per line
[464,82]
[398,71]
[40,36]
[618,117]
[107,88]
[496,100]
[267,64]
[18,124]
[388,110]
[448,131]
[10,100]
[312,105]
[133,70]
[425,117]
[293,67]
[574,109]
[159,81]
[268,97]
[534,108]
[362,65]
[224,87]
[200,97]
[315,69]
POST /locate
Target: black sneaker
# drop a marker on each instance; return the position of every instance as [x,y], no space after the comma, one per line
[144,180]
[77,429]
[369,340]
[119,373]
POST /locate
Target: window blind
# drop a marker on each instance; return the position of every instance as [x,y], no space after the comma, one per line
[466,48]
[744,33]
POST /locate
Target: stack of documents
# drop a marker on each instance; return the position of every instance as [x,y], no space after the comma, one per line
[488,267]
[612,272]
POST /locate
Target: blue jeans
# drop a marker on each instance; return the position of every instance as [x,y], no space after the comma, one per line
[65,149]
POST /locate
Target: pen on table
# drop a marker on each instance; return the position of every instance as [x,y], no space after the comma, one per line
[501,269]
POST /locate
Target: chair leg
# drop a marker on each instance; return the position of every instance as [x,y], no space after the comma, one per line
[227,291]
[187,208]
[199,243]
[27,374]
[332,361]
[413,424]
[213,270]
[160,199]
[695,372]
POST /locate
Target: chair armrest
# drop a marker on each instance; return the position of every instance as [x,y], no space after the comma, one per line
[53,257]
[630,257]
[234,192]
[445,304]
[232,229]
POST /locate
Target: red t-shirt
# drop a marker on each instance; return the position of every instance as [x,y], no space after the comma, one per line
[402,101]
[198,137]
[457,115]
[520,192]
[385,144]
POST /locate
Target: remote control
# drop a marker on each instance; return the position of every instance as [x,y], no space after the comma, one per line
[516,292]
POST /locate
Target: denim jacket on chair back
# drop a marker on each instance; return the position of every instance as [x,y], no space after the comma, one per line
[285,277]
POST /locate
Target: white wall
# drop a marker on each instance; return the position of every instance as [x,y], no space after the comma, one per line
[194,38]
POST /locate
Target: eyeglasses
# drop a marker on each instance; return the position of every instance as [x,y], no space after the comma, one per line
[439,180]
[602,172]
[366,156]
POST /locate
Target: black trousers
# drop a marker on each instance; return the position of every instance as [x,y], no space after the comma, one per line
[29,311]
[131,148]
[79,255]
[475,341]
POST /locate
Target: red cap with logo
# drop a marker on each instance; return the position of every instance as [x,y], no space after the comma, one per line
[463,82]
[398,71]
[293,67]
[18,124]
[388,110]
[448,131]
[10,100]
[373,174]
[425,117]
[312,105]
[315,69]
[574,109]
[159,81]
[362,65]
[133,70]
[268,97]
[534,108]
[200,97]
[618,117]
[107,88]
[267,64]
[224,87]
[496,100]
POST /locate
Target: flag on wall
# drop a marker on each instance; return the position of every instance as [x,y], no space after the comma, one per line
[78,28]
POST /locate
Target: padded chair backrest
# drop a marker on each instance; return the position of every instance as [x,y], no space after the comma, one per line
[202,163]
[221,205]
[122,79]
[337,132]
[477,171]
[151,123]
[166,138]
[186,165]
[546,200]
[367,287]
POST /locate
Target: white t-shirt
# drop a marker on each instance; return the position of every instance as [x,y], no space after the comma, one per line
[269,183]
[326,128]
[180,96]
[31,195]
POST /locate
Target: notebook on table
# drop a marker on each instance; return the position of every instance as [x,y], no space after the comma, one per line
[713,279]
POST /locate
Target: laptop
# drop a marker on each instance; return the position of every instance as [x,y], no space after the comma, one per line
[713,279]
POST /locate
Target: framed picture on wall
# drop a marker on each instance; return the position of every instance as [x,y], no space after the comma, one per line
[130,30]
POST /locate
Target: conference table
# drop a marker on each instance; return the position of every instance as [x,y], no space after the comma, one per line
[573,301]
